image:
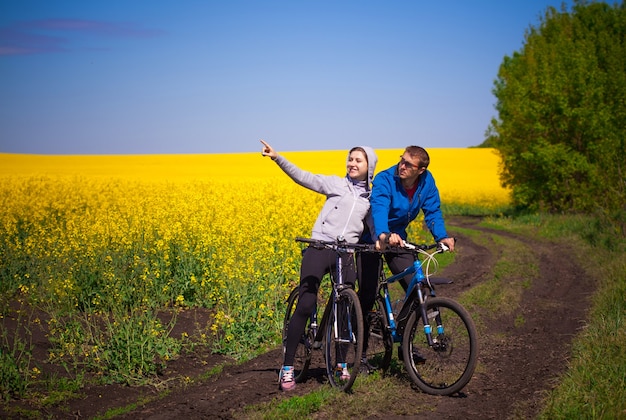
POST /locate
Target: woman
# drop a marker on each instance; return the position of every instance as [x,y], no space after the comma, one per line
[343,214]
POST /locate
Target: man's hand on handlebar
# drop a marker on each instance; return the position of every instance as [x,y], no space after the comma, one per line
[449,242]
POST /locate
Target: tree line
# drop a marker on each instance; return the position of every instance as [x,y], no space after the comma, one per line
[561,103]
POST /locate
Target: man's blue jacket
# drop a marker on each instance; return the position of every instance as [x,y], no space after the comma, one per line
[392,212]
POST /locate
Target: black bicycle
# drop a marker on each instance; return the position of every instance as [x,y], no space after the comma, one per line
[341,327]
[437,335]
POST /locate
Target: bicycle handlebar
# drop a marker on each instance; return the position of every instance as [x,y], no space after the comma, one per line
[335,244]
[441,247]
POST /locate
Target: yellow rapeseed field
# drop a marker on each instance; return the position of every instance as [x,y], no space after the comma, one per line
[463,175]
[96,233]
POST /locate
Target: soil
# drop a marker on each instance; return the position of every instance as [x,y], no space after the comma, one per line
[518,362]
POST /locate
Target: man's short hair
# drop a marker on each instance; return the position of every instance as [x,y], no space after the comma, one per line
[420,153]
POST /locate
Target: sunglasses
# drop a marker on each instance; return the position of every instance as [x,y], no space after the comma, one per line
[408,164]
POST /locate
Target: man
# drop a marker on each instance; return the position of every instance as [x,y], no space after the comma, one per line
[398,195]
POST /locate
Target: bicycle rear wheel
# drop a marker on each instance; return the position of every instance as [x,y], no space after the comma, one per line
[379,343]
[302,358]
[448,365]
[344,340]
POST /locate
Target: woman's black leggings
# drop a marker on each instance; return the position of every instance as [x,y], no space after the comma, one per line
[315,264]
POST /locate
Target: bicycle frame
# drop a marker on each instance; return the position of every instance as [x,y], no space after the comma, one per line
[414,299]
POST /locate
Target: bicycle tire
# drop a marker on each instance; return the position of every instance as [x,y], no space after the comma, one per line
[380,342]
[448,366]
[348,347]
[302,359]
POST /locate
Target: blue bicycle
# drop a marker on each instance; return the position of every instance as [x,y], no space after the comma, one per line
[437,335]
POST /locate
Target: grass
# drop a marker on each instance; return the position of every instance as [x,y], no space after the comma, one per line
[370,396]
[295,407]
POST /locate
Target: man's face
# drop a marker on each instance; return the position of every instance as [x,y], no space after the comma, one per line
[408,167]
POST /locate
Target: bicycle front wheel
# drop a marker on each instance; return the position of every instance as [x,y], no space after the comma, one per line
[448,365]
[302,358]
[344,340]
[379,342]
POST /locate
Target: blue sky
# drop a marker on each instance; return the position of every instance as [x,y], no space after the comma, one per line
[152,77]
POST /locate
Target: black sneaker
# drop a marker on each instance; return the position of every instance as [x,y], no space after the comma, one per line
[365,368]
[418,359]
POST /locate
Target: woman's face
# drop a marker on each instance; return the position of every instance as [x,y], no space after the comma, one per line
[357,166]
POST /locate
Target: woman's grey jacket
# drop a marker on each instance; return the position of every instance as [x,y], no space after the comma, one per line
[347,201]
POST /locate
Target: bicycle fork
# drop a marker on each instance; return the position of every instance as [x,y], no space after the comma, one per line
[428,330]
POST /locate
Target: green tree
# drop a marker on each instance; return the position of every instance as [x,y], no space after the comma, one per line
[561,103]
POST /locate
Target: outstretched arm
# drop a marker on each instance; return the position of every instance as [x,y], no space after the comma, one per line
[318,183]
